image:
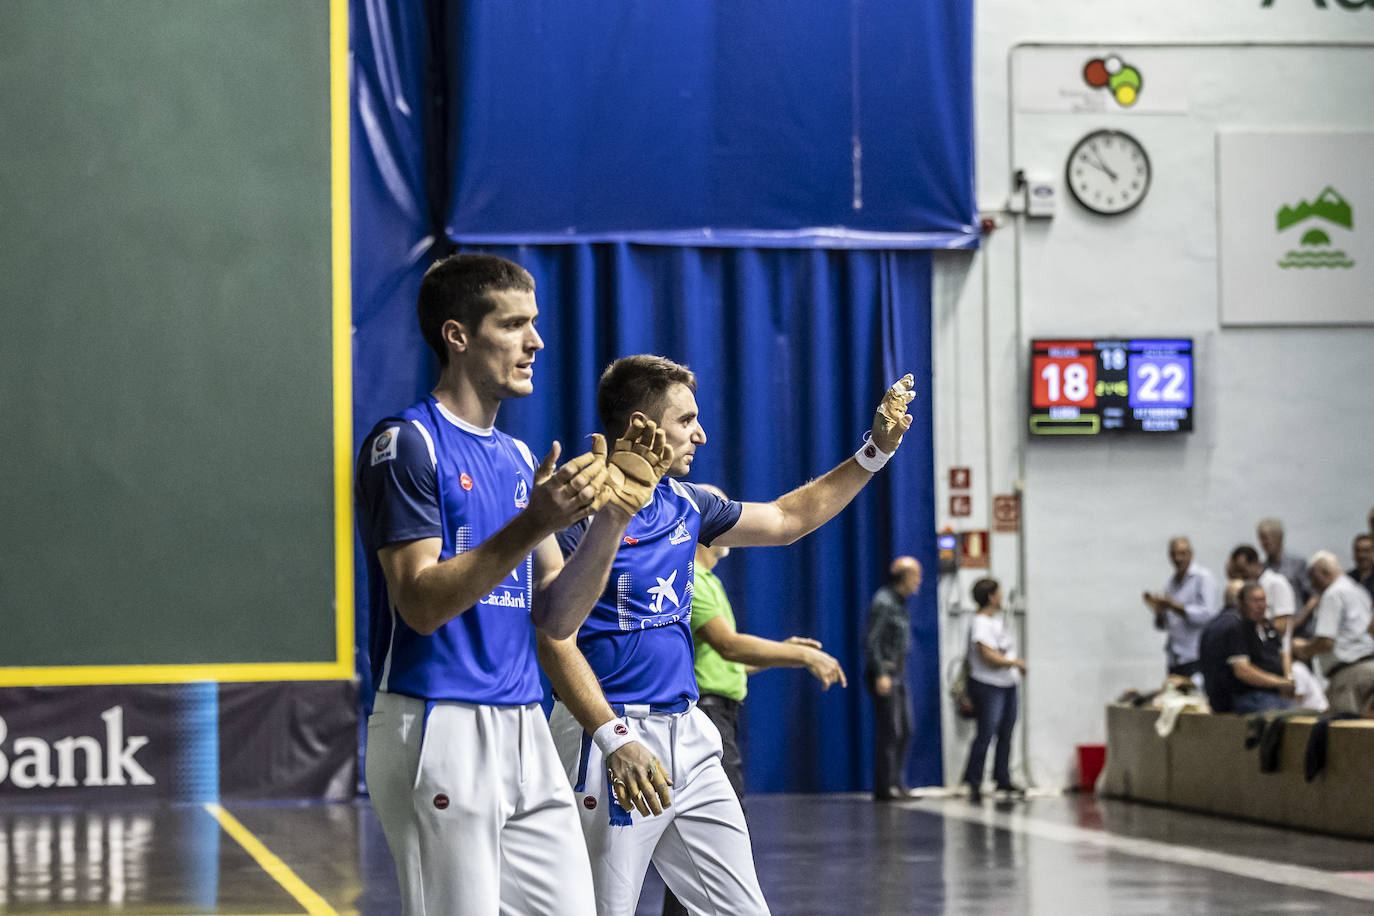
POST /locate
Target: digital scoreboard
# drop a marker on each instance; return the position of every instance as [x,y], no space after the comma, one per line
[1088,387]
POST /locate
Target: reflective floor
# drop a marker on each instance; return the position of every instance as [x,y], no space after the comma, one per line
[827,854]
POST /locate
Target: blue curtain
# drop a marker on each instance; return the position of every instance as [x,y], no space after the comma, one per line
[792,347]
[773,122]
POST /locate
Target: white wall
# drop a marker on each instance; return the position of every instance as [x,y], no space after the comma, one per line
[1282,423]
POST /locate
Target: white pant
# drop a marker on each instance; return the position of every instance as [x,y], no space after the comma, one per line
[476,810]
[700,845]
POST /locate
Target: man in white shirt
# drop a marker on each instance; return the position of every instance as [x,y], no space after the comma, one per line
[1188,602]
[1278,591]
[1342,645]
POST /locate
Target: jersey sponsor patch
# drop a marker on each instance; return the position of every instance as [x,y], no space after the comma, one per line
[384,446]
[522,494]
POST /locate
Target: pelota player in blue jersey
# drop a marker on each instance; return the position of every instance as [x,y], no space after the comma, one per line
[457,526]
[625,683]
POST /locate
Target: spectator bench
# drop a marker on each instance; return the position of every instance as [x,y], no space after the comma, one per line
[1203,765]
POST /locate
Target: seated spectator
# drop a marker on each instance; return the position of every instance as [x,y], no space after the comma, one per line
[1240,658]
[1342,645]
[1363,571]
[1188,601]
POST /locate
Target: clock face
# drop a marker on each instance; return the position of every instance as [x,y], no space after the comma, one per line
[1108,172]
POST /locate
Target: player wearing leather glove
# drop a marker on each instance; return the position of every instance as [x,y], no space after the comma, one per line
[643,759]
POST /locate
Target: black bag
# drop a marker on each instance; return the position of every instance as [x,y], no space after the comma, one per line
[958,691]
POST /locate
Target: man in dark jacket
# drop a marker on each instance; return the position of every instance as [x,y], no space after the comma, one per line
[886,645]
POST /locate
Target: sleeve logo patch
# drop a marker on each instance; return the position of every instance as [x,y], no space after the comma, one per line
[384,446]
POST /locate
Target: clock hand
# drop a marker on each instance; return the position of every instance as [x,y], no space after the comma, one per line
[1100,164]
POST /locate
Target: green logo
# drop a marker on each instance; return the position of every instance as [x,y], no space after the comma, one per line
[1314,247]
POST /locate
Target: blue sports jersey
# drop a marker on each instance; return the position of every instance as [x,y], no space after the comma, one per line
[638,637]
[428,474]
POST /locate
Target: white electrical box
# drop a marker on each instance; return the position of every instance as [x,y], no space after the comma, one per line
[1041,193]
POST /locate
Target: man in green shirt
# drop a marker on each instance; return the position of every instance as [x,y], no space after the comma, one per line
[726,657]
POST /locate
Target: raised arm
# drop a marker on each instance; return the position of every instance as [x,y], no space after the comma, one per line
[428,593]
[759,653]
[803,510]
[566,591]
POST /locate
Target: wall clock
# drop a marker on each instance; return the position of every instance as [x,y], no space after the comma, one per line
[1108,172]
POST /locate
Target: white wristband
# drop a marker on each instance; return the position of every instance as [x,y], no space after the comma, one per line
[871,458]
[612,736]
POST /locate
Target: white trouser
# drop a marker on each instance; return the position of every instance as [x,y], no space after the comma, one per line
[476,810]
[700,845]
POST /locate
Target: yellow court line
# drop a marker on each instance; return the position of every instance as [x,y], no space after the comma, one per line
[342,331]
[314,904]
[175,674]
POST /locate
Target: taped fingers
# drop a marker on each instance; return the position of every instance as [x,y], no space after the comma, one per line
[661,783]
[545,469]
[650,799]
[891,419]
[896,398]
[622,793]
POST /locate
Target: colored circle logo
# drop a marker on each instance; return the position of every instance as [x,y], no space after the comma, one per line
[441,801]
[589,802]
[382,442]
[465,481]
[620,729]
[1119,78]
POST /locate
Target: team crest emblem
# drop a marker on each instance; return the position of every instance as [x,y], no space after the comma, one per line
[680,534]
[384,446]
[522,494]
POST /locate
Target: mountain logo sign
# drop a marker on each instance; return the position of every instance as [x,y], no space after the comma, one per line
[1315,249]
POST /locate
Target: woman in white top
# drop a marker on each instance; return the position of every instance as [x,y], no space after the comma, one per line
[994,672]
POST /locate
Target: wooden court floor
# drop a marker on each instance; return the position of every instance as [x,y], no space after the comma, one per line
[816,854]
